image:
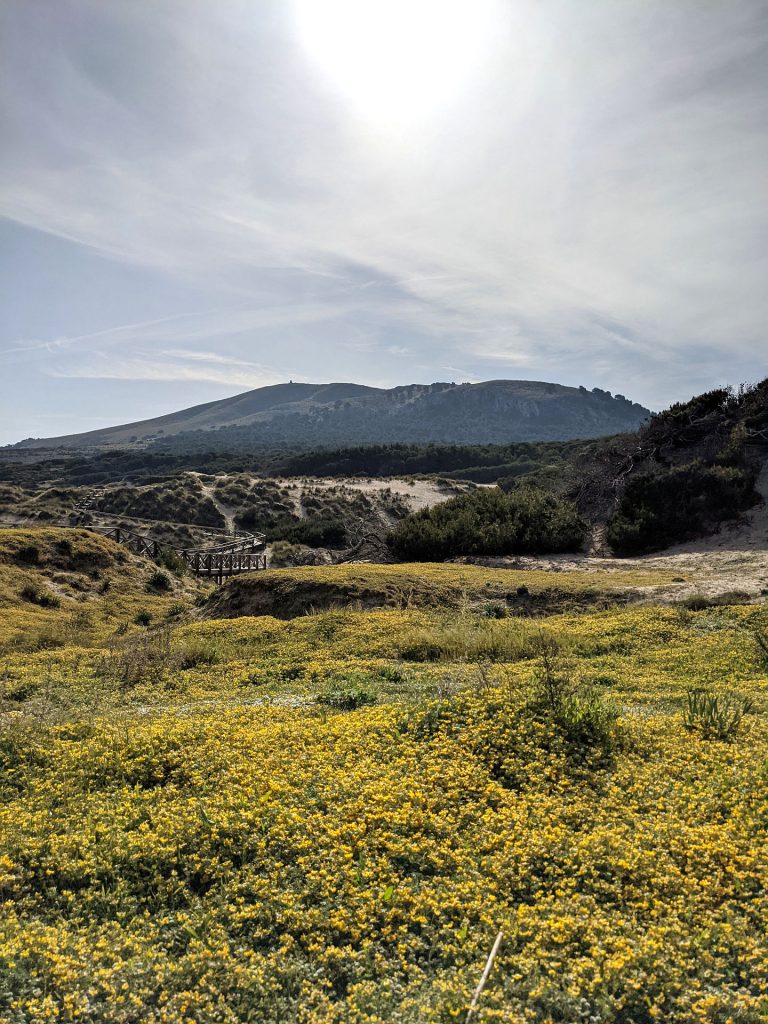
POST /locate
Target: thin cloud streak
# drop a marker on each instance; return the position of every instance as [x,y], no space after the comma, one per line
[173,367]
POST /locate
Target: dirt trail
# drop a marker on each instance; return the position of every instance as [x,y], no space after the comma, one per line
[228,514]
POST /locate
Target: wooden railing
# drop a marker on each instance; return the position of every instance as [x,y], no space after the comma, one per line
[247,553]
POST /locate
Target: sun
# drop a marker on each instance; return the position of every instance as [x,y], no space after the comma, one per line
[397,60]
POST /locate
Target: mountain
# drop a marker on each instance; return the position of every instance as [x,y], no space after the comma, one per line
[494,412]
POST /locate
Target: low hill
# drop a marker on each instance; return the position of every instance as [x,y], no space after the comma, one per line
[493,412]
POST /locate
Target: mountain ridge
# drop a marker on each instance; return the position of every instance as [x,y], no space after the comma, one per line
[343,412]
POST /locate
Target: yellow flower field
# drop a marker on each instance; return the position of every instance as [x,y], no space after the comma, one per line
[328,819]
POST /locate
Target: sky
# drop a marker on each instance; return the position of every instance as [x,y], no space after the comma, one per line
[201,198]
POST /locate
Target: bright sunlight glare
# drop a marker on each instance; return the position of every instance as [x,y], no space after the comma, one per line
[397,60]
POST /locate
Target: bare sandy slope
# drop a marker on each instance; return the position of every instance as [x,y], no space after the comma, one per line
[417,493]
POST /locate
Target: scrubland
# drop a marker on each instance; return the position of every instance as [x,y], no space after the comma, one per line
[328,818]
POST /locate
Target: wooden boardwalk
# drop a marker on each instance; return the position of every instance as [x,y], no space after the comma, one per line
[220,562]
[246,552]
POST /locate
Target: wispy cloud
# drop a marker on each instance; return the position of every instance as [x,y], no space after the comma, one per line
[172,366]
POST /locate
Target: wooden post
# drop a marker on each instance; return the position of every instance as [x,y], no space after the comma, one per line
[484,978]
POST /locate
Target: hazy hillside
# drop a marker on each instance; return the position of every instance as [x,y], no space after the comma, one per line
[315,414]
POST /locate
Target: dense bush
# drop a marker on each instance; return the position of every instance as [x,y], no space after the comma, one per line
[347,696]
[489,522]
[316,531]
[39,596]
[158,582]
[481,463]
[665,506]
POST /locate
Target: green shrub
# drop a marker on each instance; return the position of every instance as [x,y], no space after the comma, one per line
[580,713]
[147,658]
[698,602]
[488,521]
[347,696]
[319,530]
[22,747]
[159,582]
[263,676]
[197,652]
[28,554]
[392,674]
[552,675]
[256,678]
[715,716]
[665,506]
[759,634]
[173,562]
[39,596]
[142,618]
[588,719]
[421,651]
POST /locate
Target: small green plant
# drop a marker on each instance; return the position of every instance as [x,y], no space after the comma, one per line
[715,716]
[142,618]
[581,713]
[495,610]
[146,658]
[588,719]
[392,674]
[420,651]
[552,679]
[262,676]
[603,680]
[255,678]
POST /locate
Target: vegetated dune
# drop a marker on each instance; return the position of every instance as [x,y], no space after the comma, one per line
[286,593]
[60,586]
